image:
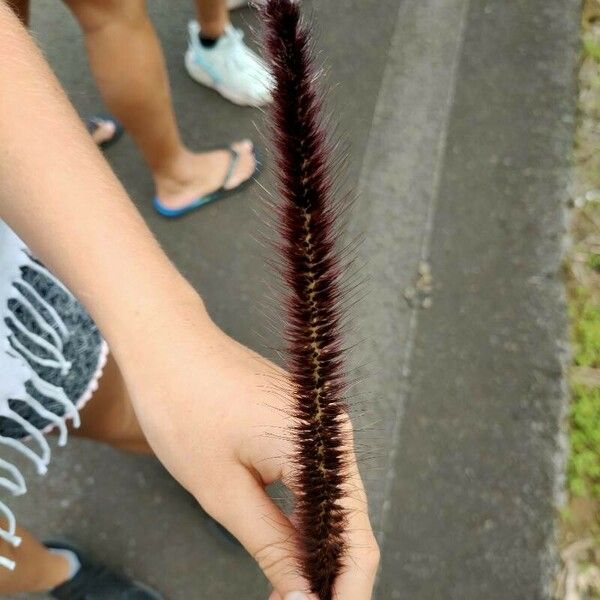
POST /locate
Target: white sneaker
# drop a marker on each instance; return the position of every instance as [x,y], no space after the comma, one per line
[229,67]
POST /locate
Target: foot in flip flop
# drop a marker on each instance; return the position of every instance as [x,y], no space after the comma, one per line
[197,179]
[104,129]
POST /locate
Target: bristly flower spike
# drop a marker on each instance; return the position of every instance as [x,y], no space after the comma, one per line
[311,268]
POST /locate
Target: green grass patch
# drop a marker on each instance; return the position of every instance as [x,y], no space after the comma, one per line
[594,262]
[587,332]
[584,462]
[591,47]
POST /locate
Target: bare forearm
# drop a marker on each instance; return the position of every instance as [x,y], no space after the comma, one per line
[60,196]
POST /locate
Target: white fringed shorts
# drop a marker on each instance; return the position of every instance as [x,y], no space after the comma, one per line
[51,359]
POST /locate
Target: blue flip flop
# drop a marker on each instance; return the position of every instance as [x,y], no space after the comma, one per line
[222,192]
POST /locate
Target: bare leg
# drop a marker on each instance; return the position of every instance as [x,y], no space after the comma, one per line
[21,9]
[213,16]
[109,417]
[37,568]
[128,64]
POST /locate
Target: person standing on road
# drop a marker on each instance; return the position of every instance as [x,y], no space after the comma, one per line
[128,64]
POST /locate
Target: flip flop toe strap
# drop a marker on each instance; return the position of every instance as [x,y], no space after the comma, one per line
[233,162]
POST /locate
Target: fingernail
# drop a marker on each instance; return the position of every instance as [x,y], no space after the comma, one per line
[296,596]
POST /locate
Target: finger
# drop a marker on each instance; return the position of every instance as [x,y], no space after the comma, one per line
[362,559]
[275,596]
[263,529]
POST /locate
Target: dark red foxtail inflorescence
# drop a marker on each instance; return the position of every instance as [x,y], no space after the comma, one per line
[311,267]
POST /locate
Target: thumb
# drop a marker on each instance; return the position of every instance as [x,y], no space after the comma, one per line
[265,531]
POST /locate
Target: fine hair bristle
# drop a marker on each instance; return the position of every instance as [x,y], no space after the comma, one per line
[307,214]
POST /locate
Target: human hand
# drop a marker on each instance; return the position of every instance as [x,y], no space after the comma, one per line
[217,416]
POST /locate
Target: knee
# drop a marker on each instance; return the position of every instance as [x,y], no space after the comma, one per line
[95,15]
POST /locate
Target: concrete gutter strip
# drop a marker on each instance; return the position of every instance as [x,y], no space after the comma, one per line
[397,194]
[477,472]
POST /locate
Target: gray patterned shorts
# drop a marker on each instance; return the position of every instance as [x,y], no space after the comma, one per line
[83,349]
[51,359]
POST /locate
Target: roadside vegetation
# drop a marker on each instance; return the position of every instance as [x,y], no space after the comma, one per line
[580,545]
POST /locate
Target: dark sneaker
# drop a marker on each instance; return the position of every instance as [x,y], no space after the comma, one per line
[95,582]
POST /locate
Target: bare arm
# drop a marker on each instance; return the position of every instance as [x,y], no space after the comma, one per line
[61,197]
